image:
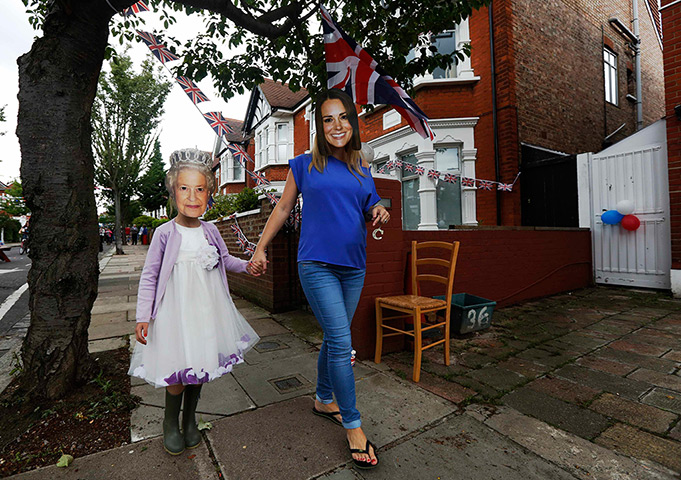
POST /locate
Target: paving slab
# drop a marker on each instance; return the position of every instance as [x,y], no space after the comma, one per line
[564,389]
[103,345]
[278,348]
[632,441]
[671,382]
[98,332]
[653,363]
[566,416]
[626,387]
[604,365]
[223,396]
[498,378]
[117,307]
[664,399]
[461,449]
[147,422]
[527,368]
[580,457]
[635,413]
[266,327]
[391,408]
[143,460]
[106,318]
[281,441]
[303,323]
[640,348]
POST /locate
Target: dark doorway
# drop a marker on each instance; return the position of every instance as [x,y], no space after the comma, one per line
[549,188]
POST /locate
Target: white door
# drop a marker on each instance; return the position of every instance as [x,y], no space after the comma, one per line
[641,258]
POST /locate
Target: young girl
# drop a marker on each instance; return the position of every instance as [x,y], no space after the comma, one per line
[188,329]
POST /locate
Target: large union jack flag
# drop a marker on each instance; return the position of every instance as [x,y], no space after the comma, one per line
[136,8]
[218,123]
[467,182]
[193,92]
[350,68]
[159,50]
[433,174]
[259,178]
[239,154]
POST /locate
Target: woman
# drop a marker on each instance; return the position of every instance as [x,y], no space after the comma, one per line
[339,196]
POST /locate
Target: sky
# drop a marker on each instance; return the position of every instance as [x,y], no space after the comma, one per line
[182,125]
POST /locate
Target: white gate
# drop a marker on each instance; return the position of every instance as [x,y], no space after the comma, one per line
[629,170]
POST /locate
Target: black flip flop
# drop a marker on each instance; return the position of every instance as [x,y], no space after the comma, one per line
[361,464]
[330,415]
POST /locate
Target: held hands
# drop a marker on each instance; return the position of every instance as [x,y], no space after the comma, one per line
[258,264]
[141,331]
[379,214]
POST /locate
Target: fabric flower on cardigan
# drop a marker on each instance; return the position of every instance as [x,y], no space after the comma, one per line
[208,257]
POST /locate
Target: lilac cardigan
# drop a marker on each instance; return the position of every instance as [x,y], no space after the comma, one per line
[161,257]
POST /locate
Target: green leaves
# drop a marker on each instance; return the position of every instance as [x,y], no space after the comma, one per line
[65,461]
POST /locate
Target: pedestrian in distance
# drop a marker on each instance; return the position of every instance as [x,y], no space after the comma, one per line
[144,232]
[339,197]
[133,234]
[188,330]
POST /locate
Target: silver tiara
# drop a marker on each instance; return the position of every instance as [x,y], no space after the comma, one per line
[191,155]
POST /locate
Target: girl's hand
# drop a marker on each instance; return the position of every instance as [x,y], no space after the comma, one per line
[258,263]
[141,331]
[379,214]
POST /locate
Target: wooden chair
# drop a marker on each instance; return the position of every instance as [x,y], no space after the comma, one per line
[415,306]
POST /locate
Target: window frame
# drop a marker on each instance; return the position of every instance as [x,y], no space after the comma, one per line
[611,76]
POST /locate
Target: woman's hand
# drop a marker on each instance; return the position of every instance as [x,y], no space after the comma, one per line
[258,264]
[379,214]
[141,331]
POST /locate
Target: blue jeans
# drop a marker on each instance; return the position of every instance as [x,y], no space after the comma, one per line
[333,292]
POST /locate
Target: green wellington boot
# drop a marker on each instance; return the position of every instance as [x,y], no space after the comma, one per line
[192,434]
[173,441]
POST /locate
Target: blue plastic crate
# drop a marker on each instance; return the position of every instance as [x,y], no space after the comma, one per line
[470,313]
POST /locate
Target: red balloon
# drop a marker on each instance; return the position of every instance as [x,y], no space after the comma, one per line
[631,222]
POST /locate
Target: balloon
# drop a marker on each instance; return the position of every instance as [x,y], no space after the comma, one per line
[625,207]
[631,222]
[611,217]
[367,152]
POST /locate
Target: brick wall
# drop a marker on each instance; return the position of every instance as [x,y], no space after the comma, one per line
[671,26]
[301,133]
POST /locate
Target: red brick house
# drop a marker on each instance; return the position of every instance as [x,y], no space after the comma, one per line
[671,26]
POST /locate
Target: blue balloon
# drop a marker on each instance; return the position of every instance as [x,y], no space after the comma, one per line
[611,217]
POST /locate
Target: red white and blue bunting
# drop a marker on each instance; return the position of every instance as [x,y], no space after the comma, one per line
[436,176]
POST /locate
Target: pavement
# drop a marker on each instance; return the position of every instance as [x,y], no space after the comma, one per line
[584,385]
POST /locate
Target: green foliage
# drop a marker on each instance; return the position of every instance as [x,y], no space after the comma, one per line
[281,39]
[151,187]
[112,399]
[13,202]
[225,205]
[157,222]
[130,209]
[106,219]
[2,117]
[11,227]
[143,221]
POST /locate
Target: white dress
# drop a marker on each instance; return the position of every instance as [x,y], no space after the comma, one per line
[198,334]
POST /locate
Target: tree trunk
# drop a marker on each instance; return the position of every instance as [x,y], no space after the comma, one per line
[58,81]
[120,238]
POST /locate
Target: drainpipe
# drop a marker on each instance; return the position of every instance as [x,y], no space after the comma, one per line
[495,122]
[637,67]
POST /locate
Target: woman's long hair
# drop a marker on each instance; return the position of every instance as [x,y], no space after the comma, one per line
[320,147]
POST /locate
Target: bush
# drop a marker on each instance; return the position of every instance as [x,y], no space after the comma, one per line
[11,227]
[157,222]
[143,221]
[245,200]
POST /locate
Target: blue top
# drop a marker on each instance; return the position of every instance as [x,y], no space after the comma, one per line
[334,203]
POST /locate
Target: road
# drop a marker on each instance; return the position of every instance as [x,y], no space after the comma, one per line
[13,293]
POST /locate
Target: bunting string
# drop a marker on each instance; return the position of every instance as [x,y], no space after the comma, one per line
[436,176]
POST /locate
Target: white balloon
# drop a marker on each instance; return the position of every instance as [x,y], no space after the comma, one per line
[625,207]
[367,152]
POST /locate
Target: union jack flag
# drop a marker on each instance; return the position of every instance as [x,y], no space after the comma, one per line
[398,164]
[136,8]
[218,123]
[250,248]
[419,170]
[193,92]
[433,174]
[239,154]
[382,169]
[211,202]
[450,178]
[485,184]
[467,182]
[390,165]
[232,216]
[273,199]
[159,50]
[350,68]
[258,177]
[505,187]
[409,167]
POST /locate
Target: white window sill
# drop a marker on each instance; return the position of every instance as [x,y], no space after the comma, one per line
[427,82]
[231,182]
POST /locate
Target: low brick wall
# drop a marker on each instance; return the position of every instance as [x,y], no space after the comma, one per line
[505,264]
